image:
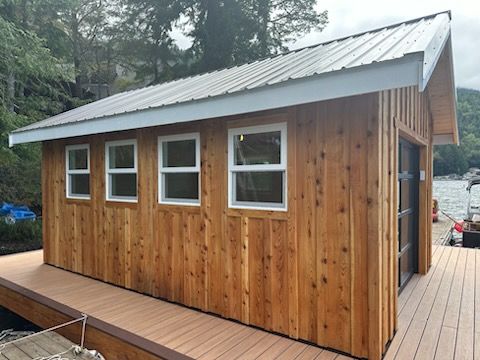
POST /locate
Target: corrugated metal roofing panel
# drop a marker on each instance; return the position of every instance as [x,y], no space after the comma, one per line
[370,47]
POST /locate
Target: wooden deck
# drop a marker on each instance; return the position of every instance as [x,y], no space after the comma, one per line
[188,332]
[439,313]
[44,345]
[441,230]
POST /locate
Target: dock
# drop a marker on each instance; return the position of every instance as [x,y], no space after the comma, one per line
[439,314]
[42,346]
[123,321]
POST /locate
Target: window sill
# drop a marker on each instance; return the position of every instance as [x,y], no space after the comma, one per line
[79,201]
[121,203]
[279,214]
[189,208]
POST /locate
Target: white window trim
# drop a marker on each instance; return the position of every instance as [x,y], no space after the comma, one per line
[108,171]
[69,172]
[187,169]
[282,167]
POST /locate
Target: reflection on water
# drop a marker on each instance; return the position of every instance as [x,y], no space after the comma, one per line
[452,196]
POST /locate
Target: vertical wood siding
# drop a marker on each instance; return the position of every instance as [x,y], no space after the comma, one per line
[403,113]
[323,271]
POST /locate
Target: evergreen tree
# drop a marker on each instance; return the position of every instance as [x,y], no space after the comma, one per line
[231,32]
[457,159]
[31,88]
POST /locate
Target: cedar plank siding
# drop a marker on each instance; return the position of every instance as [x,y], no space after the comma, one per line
[324,271]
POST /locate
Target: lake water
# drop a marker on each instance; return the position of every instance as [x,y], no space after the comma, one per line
[9,320]
[451,196]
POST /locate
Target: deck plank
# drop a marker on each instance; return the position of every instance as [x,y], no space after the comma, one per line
[417,324]
[409,309]
[466,320]
[446,344]
[428,342]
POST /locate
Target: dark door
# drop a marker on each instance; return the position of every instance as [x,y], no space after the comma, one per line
[408,174]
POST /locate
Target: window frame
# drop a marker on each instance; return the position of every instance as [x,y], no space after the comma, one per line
[281,167]
[69,172]
[179,169]
[108,171]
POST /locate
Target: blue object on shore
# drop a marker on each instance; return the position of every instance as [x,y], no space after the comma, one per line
[14,213]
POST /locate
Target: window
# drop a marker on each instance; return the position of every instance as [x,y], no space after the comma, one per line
[121,170]
[179,169]
[78,171]
[257,163]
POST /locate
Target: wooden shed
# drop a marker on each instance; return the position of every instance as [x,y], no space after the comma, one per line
[292,193]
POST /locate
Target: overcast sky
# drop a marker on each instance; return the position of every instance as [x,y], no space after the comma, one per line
[347,17]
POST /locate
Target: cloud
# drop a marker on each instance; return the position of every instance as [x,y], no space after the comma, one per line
[350,17]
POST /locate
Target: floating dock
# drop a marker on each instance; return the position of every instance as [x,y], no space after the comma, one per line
[437,314]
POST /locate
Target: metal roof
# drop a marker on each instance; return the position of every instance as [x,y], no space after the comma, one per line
[420,41]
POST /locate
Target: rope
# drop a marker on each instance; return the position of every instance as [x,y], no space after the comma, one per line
[75,349]
[83,319]
[5,333]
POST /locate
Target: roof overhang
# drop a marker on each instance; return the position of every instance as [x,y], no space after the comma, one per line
[443,99]
[355,81]
[427,65]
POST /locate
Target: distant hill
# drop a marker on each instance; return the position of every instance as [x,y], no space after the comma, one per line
[449,159]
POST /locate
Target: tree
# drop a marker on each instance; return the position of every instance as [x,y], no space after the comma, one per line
[31,88]
[81,21]
[449,159]
[230,32]
[457,159]
[145,44]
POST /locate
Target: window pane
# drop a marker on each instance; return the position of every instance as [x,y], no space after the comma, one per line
[121,157]
[77,159]
[406,200]
[405,231]
[259,186]
[181,186]
[178,153]
[79,184]
[123,185]
[261,148]
[405,265]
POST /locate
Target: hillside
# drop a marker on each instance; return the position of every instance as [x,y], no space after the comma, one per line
[450,159]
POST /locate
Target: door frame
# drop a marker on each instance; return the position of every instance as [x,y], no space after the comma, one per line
[424,196]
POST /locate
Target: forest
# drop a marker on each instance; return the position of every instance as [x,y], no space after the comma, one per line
[453,159]
[59,54]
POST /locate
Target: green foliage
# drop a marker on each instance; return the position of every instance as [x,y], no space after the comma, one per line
[449,159]
[231,32]
[21,236]
[143,38]
[223,33]
[31,88]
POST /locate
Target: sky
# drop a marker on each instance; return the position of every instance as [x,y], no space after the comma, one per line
[350,17]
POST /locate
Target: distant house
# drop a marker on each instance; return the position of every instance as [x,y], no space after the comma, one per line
[292,193]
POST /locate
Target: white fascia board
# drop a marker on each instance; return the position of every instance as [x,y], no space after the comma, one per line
[364,79]
[432,46]
[444,139]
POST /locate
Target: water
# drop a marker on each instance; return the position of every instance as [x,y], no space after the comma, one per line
[451,196]
[9,320]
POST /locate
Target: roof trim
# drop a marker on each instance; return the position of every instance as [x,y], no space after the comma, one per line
[402,72]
